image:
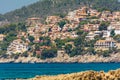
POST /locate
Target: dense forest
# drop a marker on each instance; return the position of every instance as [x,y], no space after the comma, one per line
[44,8]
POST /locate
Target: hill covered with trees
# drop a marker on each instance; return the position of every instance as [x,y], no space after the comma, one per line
[45,8]
[71,27]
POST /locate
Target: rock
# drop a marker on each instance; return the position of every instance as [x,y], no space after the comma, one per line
[88,75]
[79,58]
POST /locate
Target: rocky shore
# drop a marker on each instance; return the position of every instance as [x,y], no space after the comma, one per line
[65,59]
[88,75]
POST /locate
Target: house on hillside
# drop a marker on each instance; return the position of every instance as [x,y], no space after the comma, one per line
[106,33]
[115,26]
[77,15]
[116,15]
[21,34]
[2,36]
[53,19]
[94,13]
[91,27]
[32,21]
[17,46]
[91,35]
[105,44]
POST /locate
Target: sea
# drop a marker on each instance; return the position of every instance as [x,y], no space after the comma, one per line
[30,70]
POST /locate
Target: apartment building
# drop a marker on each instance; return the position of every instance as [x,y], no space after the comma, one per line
[105,44]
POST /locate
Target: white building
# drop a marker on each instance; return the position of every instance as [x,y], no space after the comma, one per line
[17,46]
[115,26]
[106,33]
[2,37]
[105,44]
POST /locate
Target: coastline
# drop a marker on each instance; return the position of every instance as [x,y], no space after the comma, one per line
[87,75]
[66,59]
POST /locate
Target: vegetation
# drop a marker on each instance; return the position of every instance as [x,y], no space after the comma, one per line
[112,33]
[11,32]
[83,22]
[31,38]
[13,27]
[45,41]
[49,53]
[50,7]
[79,44]
[59,43]
[68,48]
[117,38]
[103,26]
[62,23]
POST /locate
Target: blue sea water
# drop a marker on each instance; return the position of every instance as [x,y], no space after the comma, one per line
[12,70]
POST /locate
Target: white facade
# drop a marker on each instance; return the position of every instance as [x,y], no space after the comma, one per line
[106,34]
[117,32]
[17,46]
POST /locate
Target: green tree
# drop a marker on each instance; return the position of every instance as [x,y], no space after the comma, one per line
[117,38]
[31,38]
[83,22]
[25,54]
[45,41]
[91,50]
[21,27]
[62,23]
[49,53]
[76,51]
[106,53]
[10,37]
[22,38]
[60,43]
[103,26]
[37,47]
[112,33]
[80,32]
[50,7]
[68,48]
[4,45]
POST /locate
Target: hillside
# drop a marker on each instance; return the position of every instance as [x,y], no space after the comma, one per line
[84,31]
[57,7]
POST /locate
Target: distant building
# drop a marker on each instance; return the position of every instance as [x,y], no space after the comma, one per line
[17,46]
[115,26]
[91,27]
[2,23]
[116,15]
[53,19]
[2,36]
[105,44]
[106,33]
[32,21]
[91,35]
[61,53]
[21,34]
[94,13]
[77,15]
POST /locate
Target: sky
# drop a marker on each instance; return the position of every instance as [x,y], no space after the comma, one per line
[10,5]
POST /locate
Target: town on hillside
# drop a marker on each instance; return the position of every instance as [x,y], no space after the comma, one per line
[82,31]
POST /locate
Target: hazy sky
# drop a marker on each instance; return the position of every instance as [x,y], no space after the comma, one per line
[9,5]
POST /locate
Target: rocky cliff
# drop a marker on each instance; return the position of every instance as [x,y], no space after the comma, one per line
[87,58]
